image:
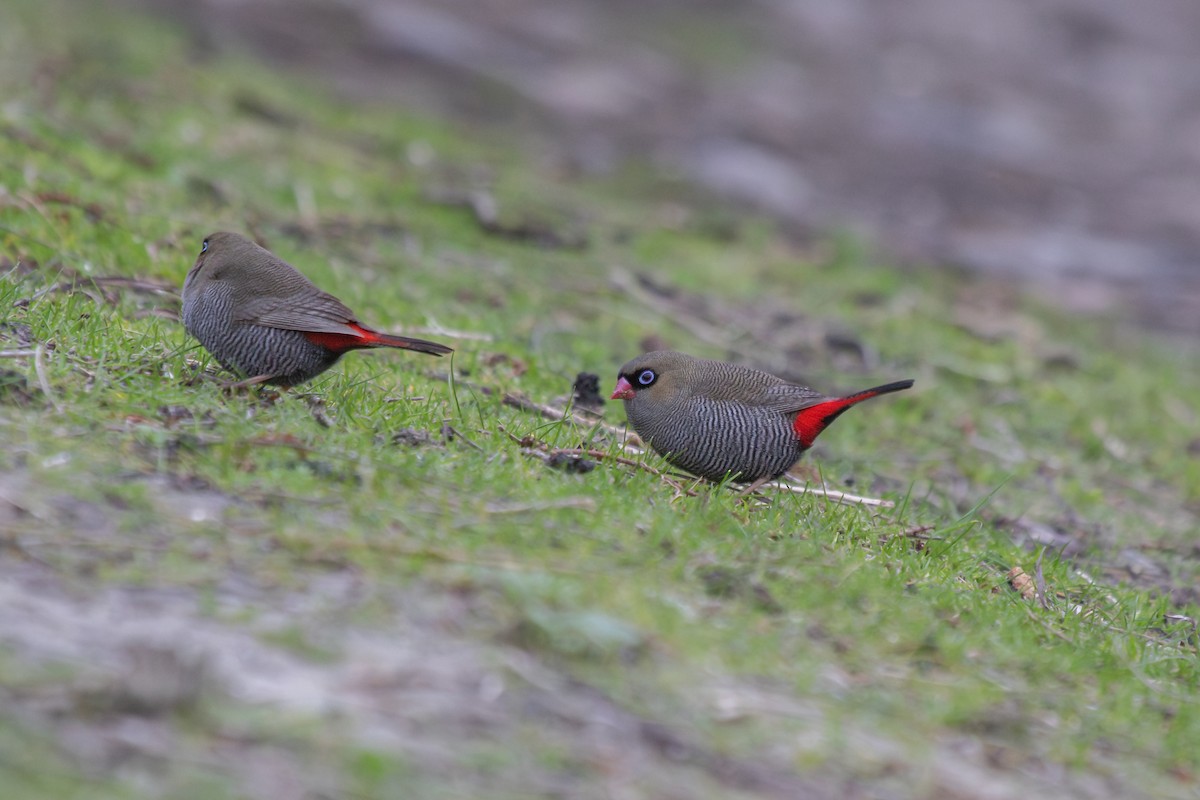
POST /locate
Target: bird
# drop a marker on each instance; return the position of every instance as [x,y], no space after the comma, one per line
[724,421]
[263,320]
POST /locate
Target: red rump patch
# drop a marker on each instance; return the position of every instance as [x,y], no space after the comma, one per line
[341,342]
[812,420]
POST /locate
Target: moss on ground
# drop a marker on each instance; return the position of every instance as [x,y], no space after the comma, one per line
[385,535]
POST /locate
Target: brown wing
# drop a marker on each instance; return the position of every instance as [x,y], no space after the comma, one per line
[735,383]
[787,398]
[317,312]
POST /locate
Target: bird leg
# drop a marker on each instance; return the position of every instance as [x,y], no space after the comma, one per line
[269,395]
[246,384]
[754,487]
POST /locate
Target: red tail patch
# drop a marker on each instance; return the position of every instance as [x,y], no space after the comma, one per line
[365,337]
[811,421]
[341,342]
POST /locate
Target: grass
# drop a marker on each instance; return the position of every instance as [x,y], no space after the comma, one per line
[509,628]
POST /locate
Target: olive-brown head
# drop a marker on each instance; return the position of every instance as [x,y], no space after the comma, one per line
[666,377]
[250,272]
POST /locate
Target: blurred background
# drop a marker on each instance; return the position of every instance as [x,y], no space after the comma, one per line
[1054,141]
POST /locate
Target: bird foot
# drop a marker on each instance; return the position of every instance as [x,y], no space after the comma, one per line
[270,395]
[246,384]
[754,487]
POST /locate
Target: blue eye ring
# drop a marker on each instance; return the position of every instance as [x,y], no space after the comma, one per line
[647,377]
[204,247]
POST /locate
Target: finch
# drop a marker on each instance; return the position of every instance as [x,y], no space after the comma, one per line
[719,420]
[266,322]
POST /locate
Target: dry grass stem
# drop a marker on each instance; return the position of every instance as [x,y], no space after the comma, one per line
[39,366]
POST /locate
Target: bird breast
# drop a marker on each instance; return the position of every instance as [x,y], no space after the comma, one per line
[208,312]
[716,438]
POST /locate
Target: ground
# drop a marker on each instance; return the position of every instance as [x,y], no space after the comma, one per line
[425,578]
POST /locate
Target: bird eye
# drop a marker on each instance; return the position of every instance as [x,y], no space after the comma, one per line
[204,247]
[647,377]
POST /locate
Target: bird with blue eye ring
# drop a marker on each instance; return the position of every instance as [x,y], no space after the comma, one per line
[726,421]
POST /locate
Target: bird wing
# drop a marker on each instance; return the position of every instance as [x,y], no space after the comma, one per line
[787,398]
[316,313]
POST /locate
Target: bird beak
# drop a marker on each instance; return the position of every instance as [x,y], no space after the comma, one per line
[624,390]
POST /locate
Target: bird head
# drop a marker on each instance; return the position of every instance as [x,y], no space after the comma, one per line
[653,377]
[218,252]
[251,271]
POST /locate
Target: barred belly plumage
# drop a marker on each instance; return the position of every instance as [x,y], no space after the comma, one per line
[263,320]
[715,439]
[720,420]
[253,350]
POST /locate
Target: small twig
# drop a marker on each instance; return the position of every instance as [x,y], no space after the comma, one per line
[39,366]
[532,445]
[601,455]
[835,495]
[1049,628]
[449,431]
[1039,581]
[98,283]
[316,407]
[559,414]
[17,353]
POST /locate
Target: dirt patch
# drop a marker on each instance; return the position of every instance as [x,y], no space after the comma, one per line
[109,670]
[139,656]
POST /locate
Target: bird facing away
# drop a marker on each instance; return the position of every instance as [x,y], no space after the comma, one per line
[719,420]
[266,322]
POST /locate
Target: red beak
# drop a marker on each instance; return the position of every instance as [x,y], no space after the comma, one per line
[624,390]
